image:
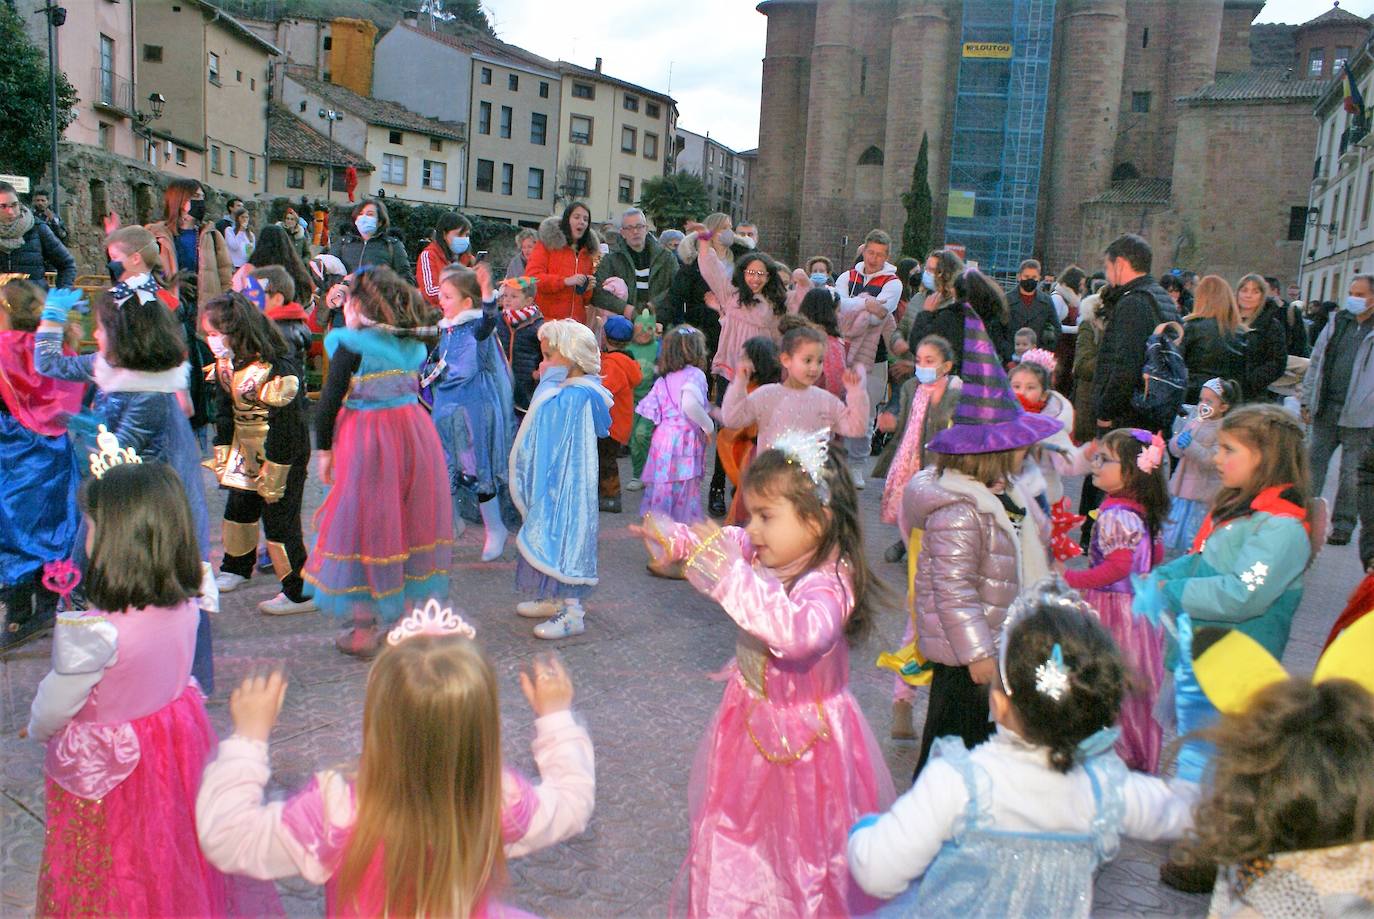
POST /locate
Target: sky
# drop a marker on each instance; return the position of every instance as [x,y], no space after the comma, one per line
[707,53]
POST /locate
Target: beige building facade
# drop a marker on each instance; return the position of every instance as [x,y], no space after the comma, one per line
[613,136]
[513,139]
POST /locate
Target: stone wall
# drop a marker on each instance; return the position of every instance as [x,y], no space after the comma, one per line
[95,182]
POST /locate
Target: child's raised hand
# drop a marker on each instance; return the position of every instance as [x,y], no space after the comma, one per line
[546,685]
[887,422]
[483,272]
[110,222]
[653,530]
[254,706]
[853,378]
[745,369]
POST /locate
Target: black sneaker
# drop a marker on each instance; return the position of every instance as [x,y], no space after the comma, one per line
[1338,539]
[22,632]
[717,507]
[895,552]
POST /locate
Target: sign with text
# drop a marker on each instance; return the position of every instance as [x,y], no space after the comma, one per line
[989,50]
[20,183]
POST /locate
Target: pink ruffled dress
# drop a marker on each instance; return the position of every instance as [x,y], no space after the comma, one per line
[307,834]
[789,763]
[1121,546]
[672,473]
[123,771]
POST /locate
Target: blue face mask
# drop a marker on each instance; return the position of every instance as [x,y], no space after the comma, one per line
[459,244]
[928,280]
[927,375]
[366,224]
[1355,305]
[820,279]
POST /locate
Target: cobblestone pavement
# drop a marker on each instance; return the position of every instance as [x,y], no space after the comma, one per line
[642,673]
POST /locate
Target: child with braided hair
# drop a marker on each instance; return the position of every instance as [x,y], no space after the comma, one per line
[367,565]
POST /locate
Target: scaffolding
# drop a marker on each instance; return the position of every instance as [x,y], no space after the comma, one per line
[999,130]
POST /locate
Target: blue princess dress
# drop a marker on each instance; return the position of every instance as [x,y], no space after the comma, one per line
[473,407]
[1004,834]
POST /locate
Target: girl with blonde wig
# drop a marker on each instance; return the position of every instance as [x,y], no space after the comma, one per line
[425,825]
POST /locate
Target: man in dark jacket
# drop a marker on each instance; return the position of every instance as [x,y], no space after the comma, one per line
[1132,306]
[637,259]
[41,211]
[1033,308]
[28,246]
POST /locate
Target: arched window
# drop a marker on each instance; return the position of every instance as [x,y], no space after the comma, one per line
[871,157]
[1125,171]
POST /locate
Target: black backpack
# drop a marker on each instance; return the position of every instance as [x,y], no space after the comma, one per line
[1165,378]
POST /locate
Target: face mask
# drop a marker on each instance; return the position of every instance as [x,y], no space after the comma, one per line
[928,280]
[219,345]
[745,241]
[927,375]
[366,224]
[115,268]
[1355,305]
[726,238]
[198,209]
[1029,284]
[1031,405]
[820,279]
[459,244]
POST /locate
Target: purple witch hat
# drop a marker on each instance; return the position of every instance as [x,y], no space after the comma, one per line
[988,418]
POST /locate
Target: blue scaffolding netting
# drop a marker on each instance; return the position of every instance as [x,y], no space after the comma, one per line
[999,130]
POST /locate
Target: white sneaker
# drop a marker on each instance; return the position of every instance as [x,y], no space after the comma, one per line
[858,478]
[538,609]
[228,582]
[566,624]
[634,485]
[282,605]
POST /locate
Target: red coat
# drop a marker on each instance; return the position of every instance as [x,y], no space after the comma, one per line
[552,262]
[430,266]
[620,374]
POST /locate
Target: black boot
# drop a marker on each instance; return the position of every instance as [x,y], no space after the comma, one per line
[22,621]
[716,506]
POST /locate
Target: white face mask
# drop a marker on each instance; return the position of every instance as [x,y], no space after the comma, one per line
[219,345]
[928,280]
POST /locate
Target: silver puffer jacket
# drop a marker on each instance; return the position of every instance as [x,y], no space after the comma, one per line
[970,564]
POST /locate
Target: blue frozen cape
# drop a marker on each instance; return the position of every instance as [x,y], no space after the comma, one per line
[553,475]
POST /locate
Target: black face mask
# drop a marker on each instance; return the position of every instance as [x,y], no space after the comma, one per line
[198,209]
[1029,285]
[115,268]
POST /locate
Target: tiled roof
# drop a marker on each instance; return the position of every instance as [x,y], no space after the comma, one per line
[472,41]
[1263,84]
[238,28]
[1336,14]
[568,68]
[1135,191]
[379,111]
[291,139]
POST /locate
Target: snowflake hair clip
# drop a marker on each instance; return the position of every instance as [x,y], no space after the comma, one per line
[809,450]
[1052,677]
[431,619]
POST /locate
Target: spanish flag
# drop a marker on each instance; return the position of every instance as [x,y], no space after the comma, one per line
[1354,102]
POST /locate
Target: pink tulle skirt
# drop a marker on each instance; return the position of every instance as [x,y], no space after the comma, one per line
[1142,645]
[134,851]
[386,528]
[769,838]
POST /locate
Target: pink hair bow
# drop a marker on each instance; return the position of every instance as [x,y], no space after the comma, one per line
[1152,456]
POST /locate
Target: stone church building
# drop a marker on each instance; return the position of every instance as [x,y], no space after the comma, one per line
[1053,126]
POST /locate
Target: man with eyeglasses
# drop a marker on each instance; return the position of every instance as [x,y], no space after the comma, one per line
[28,245]
[636,258]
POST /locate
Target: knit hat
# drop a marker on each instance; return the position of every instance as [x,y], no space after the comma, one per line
[988,418]
[616,288]
[619,329]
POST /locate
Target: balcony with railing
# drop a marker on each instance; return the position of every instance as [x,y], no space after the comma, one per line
[113,93]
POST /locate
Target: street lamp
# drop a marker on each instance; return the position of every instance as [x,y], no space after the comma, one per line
[157,102]
[57,17]
[330,115]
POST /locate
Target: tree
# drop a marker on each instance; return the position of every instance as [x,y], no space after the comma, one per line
[672,200]
[25,122]
[919,204]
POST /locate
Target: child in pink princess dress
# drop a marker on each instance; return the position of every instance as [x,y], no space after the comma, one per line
[789,761]
[1127,540]
[677,405]
[425,825]
[124,723]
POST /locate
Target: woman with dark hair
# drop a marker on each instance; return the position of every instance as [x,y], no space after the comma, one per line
[276,247]
[1067,295]
[368,241]
[188,244]
[909,272]
[449,243]
[959,295]
[563,264]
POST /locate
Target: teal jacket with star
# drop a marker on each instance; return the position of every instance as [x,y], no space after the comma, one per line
[1245,572]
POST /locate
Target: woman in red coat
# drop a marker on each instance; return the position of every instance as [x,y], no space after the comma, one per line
[563,264]
[450,243]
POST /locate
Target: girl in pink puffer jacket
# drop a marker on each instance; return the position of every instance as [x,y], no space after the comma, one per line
[980,541]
